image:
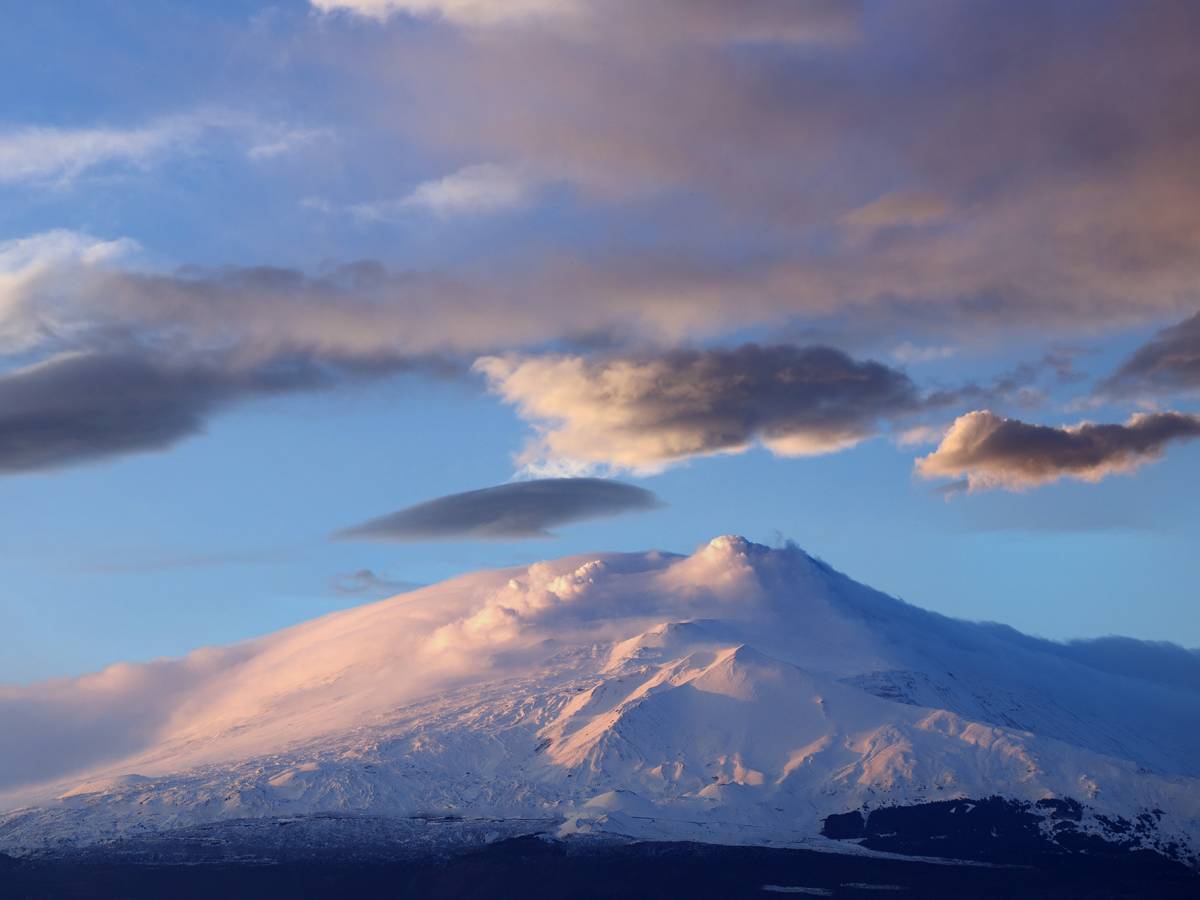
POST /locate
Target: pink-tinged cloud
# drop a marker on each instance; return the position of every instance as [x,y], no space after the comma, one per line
[990,451]
[864,170]
[646,413]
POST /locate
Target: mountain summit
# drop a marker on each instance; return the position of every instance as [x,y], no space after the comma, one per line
[740,695]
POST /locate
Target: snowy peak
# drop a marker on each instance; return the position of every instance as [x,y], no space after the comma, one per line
[741,693]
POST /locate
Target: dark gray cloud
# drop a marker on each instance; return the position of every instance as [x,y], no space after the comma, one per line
[990,451]
[81,406]
[524,509]
[1169,362]
[644,412]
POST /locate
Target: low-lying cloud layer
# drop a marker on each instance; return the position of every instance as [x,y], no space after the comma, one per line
[994,452]
[644,413]
[524,509]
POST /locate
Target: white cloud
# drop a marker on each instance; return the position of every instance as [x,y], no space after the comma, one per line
[705,21]
[477,190]
[58,154]
[460,12]
[473,190]
[907,352]
[284,140]
[39,154]
[25,318]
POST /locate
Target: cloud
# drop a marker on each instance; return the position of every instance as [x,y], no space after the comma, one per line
[68,296]
[1156,661]
[917,435]
[906,352]
[644,413]
[900,208]
[366,582]
[687,20]
[83,406]
[283,140]
[97,361]
[44,154]
[851,164]
[994,452]
[475,190]
[55,154]
[524,509]
[1169,362]
[55,727]
[25,262]
[460,12]
[1022,386]
[65,290]
[952,489]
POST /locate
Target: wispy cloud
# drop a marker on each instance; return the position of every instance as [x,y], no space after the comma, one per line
[279,141]
[57,155]
[29,316]
[686,20]
[900,208]
[476,190]
[461,12]
[906,352]
[1169,362]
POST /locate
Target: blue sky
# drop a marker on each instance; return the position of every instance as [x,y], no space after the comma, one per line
[300,226]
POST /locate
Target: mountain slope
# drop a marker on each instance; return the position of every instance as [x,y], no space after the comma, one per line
[738,695]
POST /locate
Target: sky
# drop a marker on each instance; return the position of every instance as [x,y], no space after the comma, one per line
[305,303]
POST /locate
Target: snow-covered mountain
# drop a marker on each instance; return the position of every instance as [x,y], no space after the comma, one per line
[739,695]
